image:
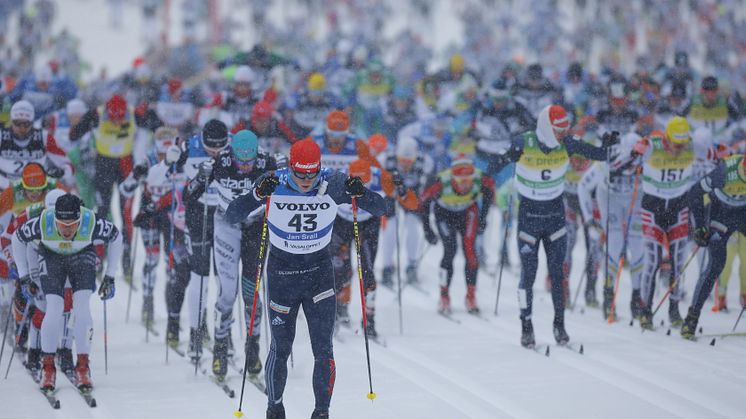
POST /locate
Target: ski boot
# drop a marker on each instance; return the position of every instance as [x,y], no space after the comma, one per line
[471,299]
[276,411]
[33,360]
[343,315]
[721,304]
[387,279]
[320,414]
[444,305]
[147,311]
[560,335]
[220,358]
[646,319]
[195,346]
[65,360]
[689,328]
[370,330]
[590,298]
[252,355]
[673,314]
[83,373]
[412,275]
[527,334]
[48,372]
[172,332]
[636,304]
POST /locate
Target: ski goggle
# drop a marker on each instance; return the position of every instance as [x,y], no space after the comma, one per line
[304,176]
[67,224]
[22,124]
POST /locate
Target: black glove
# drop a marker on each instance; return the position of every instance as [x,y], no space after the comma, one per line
[610,139]
[140,170]
[29,289]
[55,172]
[107,288]
[354,186]
[266,185]
[514,153]
[146,214]
[205,171]
[430,234]
[702,236]
[398,181]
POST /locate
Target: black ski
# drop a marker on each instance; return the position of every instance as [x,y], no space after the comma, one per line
[33,373]
[542,349]
[573,347]
[221,383]
[86,394]
[377,340]
[449,316]
[255,379]
[51,397]
[177,351]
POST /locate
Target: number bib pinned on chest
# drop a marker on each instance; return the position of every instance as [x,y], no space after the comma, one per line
[301,224]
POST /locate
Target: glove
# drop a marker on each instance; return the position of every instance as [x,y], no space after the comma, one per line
[610,139]
[430,235]
[205,171]
[29,289]
[266,186]
[641,146]
[514,153]
[147,212]
[702,236]
[173,154]
[139,171]
[354,186]
[398,181]
[107,289]
[55,172]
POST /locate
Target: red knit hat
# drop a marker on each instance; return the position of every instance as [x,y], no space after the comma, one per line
[261,110]
[558,117]
[116,108]
[305,156]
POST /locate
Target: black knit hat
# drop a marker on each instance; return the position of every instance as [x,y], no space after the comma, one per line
[67,208]
[215,134]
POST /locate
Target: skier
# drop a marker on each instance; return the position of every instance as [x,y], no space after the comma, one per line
[668,160]
[67,234]
[303,202]
[456,194]
[726,188]
[541,158]
[234,171]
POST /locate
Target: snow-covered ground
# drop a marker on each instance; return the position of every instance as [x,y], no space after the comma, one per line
[435,369]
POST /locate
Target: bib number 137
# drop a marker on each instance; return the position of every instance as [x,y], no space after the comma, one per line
[305,222]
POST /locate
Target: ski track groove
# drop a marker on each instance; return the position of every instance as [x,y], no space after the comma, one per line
[480,407]
[664,400]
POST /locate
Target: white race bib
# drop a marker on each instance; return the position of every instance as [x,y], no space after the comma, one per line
[301,224]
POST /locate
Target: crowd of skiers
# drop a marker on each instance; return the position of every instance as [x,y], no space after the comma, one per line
[304,165]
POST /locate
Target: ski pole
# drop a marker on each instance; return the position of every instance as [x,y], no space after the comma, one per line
[738,319]
[5,333]
[608,286]
[505,239]
[624,244]
[580,285]
[201,285]
[257,283]
[132,269]
[356,231]
[17,339]
[106,343]
[398,268]
[676,281]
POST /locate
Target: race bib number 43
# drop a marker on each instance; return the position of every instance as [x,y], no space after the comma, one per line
[301,224]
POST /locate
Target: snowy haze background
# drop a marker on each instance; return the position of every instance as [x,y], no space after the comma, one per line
[436,369]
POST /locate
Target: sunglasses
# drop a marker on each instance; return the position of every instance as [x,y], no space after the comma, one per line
[22,124]
[305,176]
[67,224]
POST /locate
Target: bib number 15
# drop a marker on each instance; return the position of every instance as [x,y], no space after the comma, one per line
[305,222]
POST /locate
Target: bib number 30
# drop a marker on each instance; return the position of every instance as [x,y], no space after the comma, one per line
[305,222]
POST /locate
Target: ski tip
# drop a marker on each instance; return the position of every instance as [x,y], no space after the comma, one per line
[712,342]
[371,396]
[700,330]
[582,310]
[662,322]
[93,403]
[547,351]
[581,351]
[57,404]
[631,323]
[232,394]
[668,332]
